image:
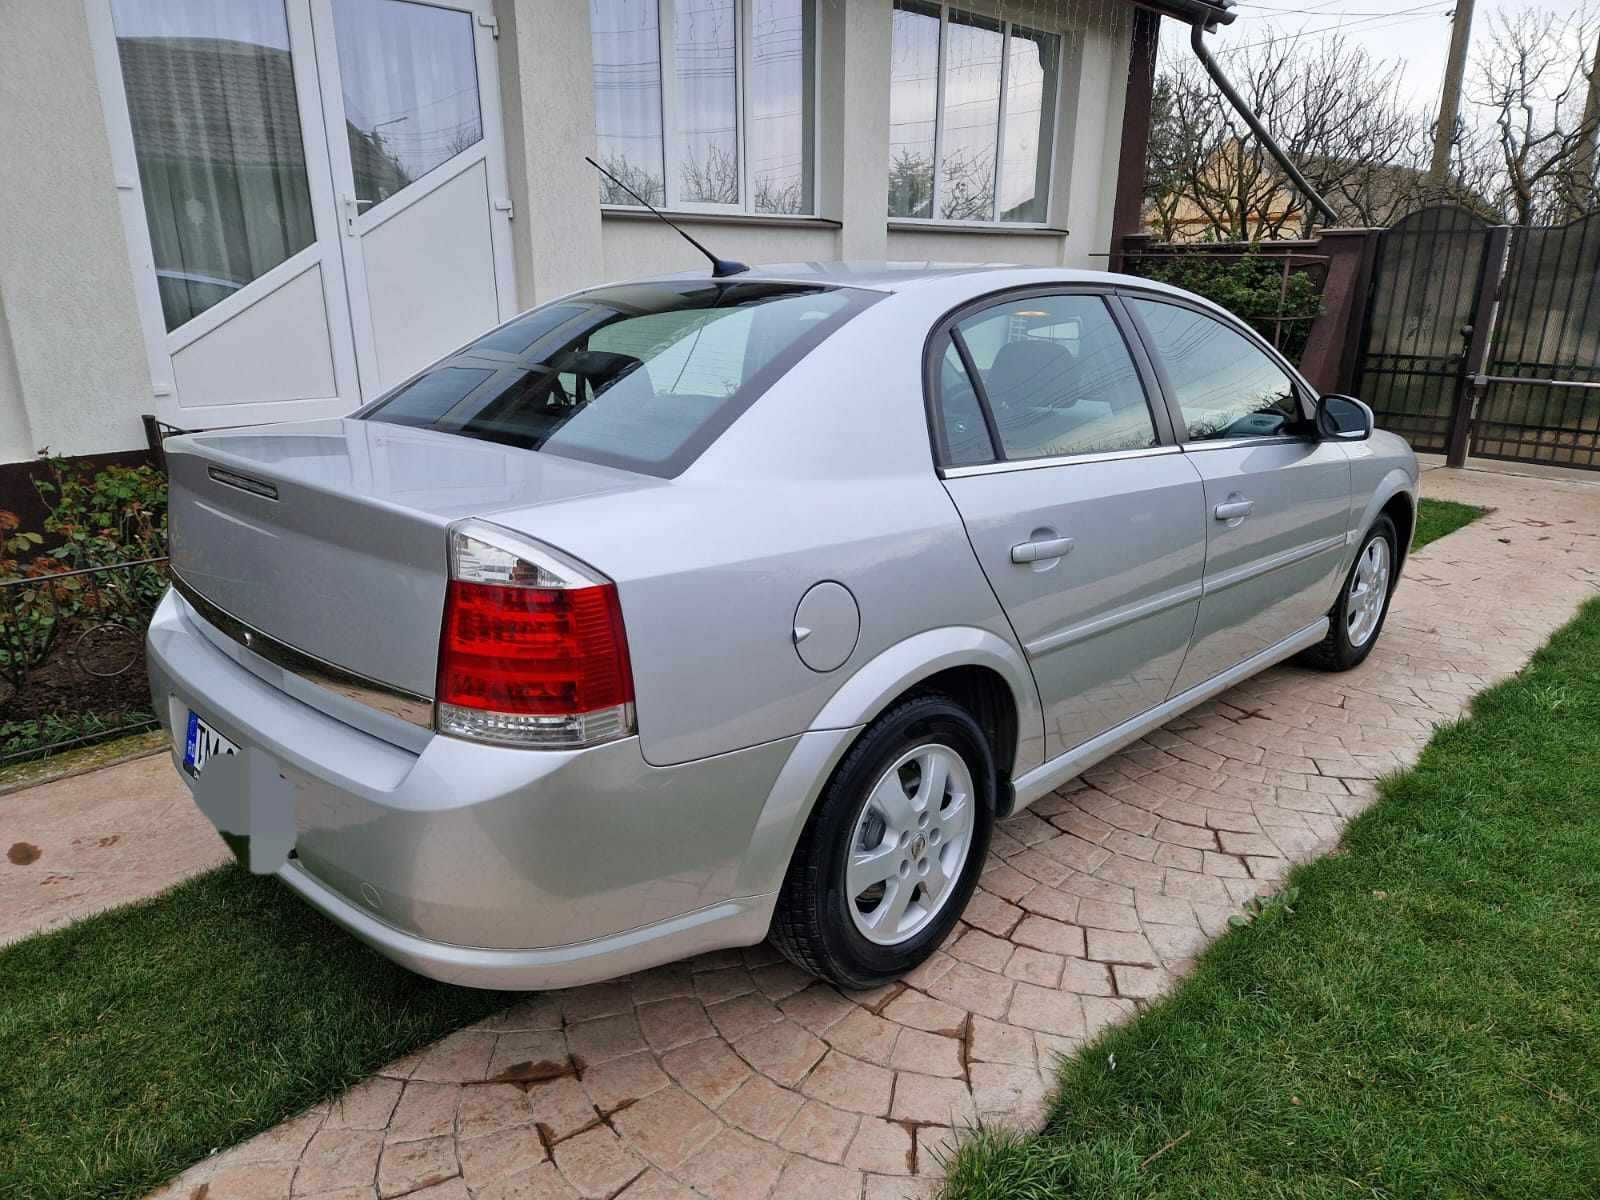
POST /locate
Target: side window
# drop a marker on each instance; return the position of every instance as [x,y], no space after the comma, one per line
[1058,377]
[966,436]
[1226,386]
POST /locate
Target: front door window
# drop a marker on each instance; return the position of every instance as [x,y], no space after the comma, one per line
[216,134]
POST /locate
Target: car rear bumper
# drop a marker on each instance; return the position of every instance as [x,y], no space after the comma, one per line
[477,864]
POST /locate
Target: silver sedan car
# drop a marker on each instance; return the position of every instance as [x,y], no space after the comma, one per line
[683,613]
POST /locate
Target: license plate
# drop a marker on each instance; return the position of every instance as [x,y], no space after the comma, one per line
[202,745]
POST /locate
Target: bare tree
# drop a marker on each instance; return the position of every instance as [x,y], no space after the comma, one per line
[1533,80]
[713,179]
[1333,108]
[643,181]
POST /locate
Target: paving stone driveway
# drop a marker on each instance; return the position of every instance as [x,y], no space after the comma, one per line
[734,1075]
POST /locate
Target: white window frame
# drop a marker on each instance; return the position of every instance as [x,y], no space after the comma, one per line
[994,221]
[671,153]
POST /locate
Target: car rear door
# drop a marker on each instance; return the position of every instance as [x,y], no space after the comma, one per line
[1277,498]
[1085,515]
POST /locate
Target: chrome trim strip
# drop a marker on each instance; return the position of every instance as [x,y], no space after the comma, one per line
[1233,443]
[1063,460]
[1287,558]
[1113,620]
[383,697]
[1043,779]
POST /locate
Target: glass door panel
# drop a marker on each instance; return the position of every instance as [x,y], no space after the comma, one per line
[420,176]
[409,75]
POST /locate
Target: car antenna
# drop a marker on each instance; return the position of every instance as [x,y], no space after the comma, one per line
[719,266]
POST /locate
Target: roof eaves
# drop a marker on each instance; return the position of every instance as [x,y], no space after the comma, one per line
[1206,13]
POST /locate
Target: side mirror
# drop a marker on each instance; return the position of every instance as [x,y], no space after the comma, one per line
[1344,419]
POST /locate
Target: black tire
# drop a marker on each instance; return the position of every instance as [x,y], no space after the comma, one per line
[812,925]
[1335,652]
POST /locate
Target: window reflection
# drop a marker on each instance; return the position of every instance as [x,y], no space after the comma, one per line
[1030,125]
[409,76]
[627,97]
[971,118]
[779,105]
[707,125]
[1225,384]
[913,108]
[216,133]
[983,172]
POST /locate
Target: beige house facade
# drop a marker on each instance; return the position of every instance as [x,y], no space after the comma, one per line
[225,214]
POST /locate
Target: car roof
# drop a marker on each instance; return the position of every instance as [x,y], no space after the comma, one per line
[886,276]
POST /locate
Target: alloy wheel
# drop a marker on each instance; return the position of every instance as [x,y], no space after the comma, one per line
[1369,588]
[910,844]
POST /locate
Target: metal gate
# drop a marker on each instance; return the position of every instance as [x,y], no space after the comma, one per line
[1539,394]
[1486,338]
[1427,280]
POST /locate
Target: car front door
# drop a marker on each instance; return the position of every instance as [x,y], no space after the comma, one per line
[1277,498]
[1085,515]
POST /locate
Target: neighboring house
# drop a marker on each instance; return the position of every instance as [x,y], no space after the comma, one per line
[1362,194]
[258,210]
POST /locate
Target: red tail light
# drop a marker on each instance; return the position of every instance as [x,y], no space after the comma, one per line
[538,656]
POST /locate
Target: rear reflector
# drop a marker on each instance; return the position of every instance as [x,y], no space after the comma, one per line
[537,657]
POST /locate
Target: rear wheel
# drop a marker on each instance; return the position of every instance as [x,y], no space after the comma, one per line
[892,852]
[1357,618]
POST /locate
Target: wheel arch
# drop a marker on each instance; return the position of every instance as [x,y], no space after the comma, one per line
[1394,496]
[973,666]
[1401,508]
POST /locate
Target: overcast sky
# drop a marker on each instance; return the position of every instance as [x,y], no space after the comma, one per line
[1413,34]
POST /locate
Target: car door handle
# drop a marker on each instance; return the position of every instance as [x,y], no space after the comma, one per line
[1031,552]
[1232,510]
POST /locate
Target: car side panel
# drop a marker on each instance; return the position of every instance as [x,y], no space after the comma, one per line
[1273,572]
[710,578]
[1105,626]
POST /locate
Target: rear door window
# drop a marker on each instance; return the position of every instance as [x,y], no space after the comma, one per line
[1058,378]
[643,376]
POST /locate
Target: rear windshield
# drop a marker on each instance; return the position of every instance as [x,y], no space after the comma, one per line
[643,376]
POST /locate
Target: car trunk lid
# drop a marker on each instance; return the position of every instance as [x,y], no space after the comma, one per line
[329,536]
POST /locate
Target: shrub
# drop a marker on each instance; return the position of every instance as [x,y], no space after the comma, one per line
[1250,286]
[96,518]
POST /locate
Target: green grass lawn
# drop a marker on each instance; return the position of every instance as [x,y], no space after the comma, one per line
[1435,518]
[137,1042]
[1422,1021]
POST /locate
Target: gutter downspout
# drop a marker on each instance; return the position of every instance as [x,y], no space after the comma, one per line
[1197,42]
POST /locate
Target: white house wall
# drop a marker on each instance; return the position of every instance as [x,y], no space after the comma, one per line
[65,281]
[74,372]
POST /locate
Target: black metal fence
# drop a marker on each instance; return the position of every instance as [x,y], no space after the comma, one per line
[72,666]
[1485,339]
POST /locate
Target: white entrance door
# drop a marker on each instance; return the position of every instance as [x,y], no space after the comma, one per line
[413,120]
[313,193]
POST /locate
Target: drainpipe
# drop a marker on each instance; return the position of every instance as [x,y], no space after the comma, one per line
[1197,42]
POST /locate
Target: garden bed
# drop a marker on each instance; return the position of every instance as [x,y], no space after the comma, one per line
[75,599]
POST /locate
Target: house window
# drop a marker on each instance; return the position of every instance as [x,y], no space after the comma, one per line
[972,105]
[706,104]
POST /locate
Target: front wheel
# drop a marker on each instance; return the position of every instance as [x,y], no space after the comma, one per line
[893,850]
[1357,618]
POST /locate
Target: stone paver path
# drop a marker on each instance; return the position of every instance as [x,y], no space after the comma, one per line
[734,1075]
[93,841]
